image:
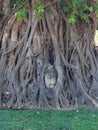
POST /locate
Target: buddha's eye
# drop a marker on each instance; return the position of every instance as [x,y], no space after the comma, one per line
[48,76]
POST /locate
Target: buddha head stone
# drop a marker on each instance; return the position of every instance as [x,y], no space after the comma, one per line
[50,77]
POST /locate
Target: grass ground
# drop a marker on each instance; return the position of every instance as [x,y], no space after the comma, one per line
[82,119]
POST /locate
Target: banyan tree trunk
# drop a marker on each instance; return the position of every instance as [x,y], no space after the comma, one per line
[47,63]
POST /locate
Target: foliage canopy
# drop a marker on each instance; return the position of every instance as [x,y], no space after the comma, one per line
[73,8]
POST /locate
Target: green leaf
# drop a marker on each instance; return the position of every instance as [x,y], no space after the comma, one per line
[85,17]
[72,19]
[40,8]
[65,9]
[38,15]
[21,14]
[97,15]
[52,11]
[91,9]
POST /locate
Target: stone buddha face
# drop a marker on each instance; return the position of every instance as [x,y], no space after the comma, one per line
[50,77]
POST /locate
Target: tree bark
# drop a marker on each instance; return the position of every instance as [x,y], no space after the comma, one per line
[47,63]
